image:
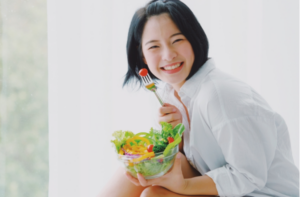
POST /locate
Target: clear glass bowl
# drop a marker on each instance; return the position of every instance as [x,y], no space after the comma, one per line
[149,168]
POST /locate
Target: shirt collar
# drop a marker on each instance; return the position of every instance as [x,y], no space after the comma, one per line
[190,87]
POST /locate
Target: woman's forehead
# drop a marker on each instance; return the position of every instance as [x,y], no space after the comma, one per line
[158,27]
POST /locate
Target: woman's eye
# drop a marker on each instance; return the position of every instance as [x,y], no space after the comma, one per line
[177,40]
[153,47]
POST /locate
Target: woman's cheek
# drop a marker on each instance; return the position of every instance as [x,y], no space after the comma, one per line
[154,70]
[153,64]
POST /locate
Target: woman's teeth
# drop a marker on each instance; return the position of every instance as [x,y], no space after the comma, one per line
[172,67]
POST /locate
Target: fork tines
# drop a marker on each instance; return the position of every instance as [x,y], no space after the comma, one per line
[147,80]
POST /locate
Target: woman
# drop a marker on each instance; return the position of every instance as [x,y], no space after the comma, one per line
[233,138]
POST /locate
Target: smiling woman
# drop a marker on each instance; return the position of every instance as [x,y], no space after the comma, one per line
[256,41]
[195,42]
[233,138]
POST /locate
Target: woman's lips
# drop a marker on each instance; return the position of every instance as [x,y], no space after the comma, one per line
[174,70]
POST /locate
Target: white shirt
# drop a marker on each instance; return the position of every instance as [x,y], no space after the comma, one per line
[235,137]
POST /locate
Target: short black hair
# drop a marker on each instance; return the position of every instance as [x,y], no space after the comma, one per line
[186,22]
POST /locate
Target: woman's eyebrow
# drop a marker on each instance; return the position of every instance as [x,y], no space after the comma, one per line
[175,34]
[157,40]
[151,41]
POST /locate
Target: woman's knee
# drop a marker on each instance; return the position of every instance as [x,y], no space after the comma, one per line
[152,191]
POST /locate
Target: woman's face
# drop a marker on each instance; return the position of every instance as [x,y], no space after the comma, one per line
[168,54]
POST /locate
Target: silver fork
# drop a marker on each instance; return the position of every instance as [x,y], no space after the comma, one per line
[149,84]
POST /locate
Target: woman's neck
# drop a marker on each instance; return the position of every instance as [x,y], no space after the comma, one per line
[177,86]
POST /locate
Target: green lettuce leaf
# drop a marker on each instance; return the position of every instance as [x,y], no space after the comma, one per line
[120,138]
[166,130]
[178,129]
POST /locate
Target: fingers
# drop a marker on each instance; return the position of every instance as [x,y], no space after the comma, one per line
[142,180]
[170,117]
[132,179]
[166,109]
[149,182]
[175,171]
[174,123]
[170,114]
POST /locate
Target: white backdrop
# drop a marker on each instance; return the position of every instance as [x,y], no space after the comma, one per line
[257,41]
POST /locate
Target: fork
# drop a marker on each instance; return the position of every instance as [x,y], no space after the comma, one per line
[150,85]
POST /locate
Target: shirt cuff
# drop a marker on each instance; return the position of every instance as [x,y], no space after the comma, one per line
[217,175]
[229,182]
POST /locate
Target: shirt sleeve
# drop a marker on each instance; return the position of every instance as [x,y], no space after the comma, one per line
[246,133]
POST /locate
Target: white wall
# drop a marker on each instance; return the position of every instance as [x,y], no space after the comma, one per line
[257,41]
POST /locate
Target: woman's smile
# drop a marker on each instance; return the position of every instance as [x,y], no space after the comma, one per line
[167,52]
[172,68]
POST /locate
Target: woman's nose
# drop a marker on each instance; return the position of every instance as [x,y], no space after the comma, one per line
[169,54]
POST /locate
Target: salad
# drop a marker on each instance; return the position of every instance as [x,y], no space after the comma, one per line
[150,154]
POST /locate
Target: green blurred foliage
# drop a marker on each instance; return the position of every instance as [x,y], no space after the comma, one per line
[23,99]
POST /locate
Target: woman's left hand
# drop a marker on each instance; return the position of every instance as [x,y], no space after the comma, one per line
[172,180]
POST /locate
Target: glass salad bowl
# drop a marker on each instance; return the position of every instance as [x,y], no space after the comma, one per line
[150,167]
[151,153]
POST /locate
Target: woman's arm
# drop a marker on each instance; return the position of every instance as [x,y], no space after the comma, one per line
[187,170]
[201,185]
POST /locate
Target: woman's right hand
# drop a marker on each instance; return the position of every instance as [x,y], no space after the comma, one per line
[170,114]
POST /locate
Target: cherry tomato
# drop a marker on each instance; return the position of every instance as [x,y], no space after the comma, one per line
[143,72]
[170,140]
[150,148]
